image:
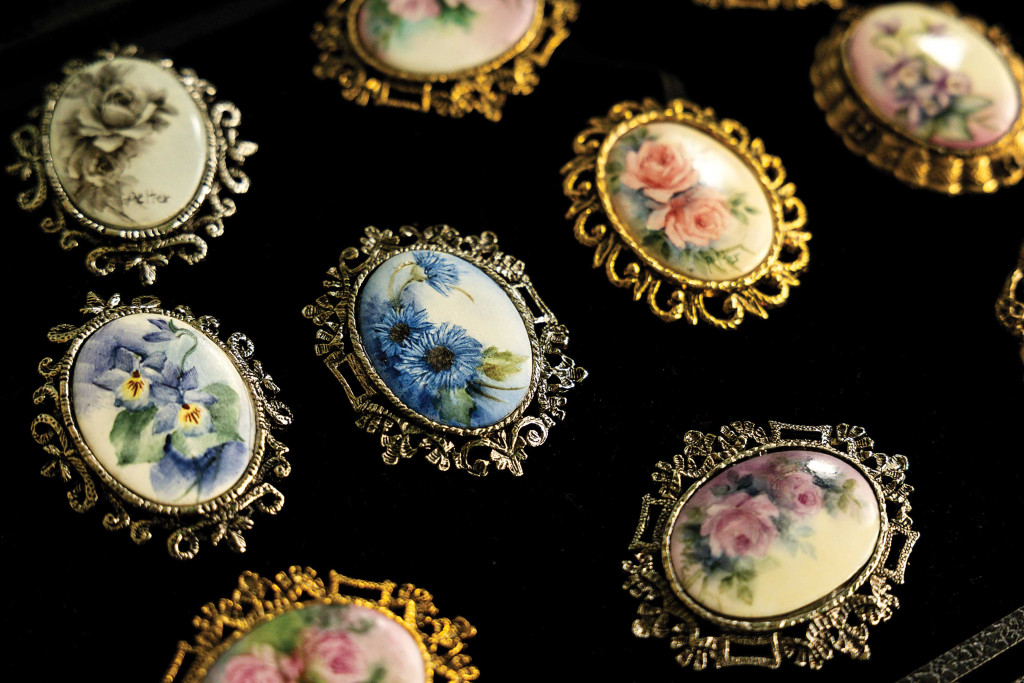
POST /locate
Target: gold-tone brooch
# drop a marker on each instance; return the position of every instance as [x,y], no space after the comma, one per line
[150,411]
[688,211]
[932,96]
[1009,306]
[132,158]
[297,626]
[452,57]
[444,348]
[765,546]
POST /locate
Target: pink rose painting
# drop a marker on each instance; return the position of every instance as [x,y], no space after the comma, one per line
[755,509]
[659,170]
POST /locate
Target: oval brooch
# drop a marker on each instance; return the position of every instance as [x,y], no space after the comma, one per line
[452,57]
[925,93]
[704,225]
[299,627]
[764,546]
[133,157]
[151,411]
[444,348]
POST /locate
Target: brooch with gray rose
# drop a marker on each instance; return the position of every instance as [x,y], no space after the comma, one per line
[764,546]
[444,348]
[133,159]
[154,416]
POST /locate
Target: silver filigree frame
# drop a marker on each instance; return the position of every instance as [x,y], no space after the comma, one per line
[146,249]
[225,517]
[836,623]
[404,432]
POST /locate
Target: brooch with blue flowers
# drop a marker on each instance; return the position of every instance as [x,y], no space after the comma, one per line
[153,412]
[444,348]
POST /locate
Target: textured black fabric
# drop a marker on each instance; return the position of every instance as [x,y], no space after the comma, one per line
[892,328]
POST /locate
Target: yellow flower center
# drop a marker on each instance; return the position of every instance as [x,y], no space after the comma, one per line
[190,415]
[134,387]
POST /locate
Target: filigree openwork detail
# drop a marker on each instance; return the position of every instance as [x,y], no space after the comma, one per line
[404,433]
[69,458]
[1009,307]
[669,294]
[483,89]
[866,133]
[112,249]
[836,624]
[258,600]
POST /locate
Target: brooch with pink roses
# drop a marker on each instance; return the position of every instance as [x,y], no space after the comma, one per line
[299,626]
[687,211]
[764,546]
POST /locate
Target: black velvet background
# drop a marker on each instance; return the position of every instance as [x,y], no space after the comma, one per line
[892,328]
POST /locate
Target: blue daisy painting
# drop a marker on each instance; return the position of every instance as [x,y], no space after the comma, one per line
[445,338]
[163,409]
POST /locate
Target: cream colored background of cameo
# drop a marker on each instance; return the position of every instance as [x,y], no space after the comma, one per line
[433,46]
[719,169]
[783,581]
[960,49]
[94,409]
[161,172]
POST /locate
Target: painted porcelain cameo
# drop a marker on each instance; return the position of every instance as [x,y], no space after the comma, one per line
[933,76]
[343,643]
[445,338]
[773,534]
[423,37]
[128,143]
[689,202]
[163,409]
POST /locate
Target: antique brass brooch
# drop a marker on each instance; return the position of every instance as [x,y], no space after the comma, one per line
[298,626]
[132,157]
[444,348]
[764,546]
[449,57]
[150,411]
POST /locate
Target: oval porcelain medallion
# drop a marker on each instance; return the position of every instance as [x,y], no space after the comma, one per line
[163,409]
[688,202]
[445,338]
[129,144]
[423,37]
[932,76]
[773,534]
[337,643]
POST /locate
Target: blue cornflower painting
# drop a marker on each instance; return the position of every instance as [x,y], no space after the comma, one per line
[445,338]
[162,409]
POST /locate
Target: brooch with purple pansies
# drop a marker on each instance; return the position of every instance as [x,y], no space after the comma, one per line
[687,211]
[132,157]
[444,348]
[452,57]
[925,93]
[153,414]
[766,546]
[301,627]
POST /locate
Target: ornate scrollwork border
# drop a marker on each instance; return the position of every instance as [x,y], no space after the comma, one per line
[257,600]
[405,433]
[867,133]
[627,265]
[836,624]
[70,458]
[114,248]
[483,89]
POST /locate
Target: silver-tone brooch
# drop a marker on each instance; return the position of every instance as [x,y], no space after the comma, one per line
[444,348]
[766,546]
[150,411]
[132,157]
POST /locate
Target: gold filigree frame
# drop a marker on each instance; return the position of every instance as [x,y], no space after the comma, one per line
[889,147]
[1010,306]
[69,457]
[257,600]
[769,4]
[766,286]
[836,624]
[145,249]
[483,89]
[404,432]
